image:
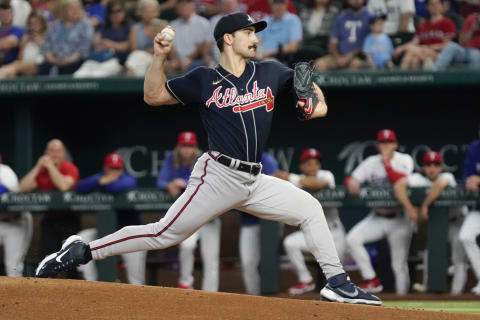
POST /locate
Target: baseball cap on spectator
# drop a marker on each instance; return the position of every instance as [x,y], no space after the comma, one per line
[386,135]
[235,21]
[309,154]
[432,157]
[113,161]
[379,17]
[187,138]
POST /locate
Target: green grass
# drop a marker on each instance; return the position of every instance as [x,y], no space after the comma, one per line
[445,306]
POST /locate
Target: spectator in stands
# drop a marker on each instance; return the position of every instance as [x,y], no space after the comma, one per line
[207,8]
[471,226]
[111,45]
[399,15]
[45,7]
[467,7]
[312,179]
[29,56]
[21,12]
[68,40]
[173,178]
[383,169]
[318,17]
[282,38]
[53,172]
[15,227]
[260,9]
[436,180]
[468,51]
[96,12]
[10,35]
[112,180]
[345,45]
[431,37]
[191,45]
[378,47]
[141,37]
[226,7]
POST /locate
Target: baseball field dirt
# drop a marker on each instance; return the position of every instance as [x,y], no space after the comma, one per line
[32,298]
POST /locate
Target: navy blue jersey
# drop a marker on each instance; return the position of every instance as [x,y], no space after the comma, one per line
[236,112]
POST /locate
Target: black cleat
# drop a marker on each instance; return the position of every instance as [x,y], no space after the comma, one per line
[71,255]
[340,289]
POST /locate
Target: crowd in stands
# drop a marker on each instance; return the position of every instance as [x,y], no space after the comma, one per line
[100,38]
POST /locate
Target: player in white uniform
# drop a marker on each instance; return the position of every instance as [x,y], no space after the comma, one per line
[312,179]
[15,227]
[437,181]
[471,227]
[383,169]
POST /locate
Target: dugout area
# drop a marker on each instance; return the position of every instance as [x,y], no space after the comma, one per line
[31,298]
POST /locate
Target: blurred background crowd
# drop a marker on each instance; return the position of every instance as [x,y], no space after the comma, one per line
[101,38]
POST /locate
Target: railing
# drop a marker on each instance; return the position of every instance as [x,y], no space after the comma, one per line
[154,200]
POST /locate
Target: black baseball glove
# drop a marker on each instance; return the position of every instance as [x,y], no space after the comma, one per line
[303,85]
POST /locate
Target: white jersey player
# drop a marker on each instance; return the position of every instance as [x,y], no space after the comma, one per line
[471,227]
[437,181]
[383,169]
[312,179]
[15,227]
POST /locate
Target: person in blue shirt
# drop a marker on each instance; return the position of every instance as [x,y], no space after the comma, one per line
[349,31]
[10,35]
[378,47]
[249,242]
[114,179]
[284,36]
[173,178]
[471,226]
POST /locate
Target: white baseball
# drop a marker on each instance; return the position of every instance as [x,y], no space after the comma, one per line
[167,34]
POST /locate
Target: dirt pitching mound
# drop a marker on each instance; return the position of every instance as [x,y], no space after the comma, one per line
[31,298]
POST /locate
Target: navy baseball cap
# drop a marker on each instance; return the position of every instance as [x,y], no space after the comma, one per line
[235,21]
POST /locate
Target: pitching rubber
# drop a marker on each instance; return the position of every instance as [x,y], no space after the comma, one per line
[329,295]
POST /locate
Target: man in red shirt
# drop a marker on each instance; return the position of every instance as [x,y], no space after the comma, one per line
[431,37]
[53,172]
[259,9]
[468,51]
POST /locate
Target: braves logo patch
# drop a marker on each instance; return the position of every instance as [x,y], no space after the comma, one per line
[242,103]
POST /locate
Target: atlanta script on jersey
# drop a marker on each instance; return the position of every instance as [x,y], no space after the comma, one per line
[236,111]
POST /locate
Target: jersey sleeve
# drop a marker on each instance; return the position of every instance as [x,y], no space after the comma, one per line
[270,165]
[328,175]
[70,170]
[360,174]
[125,182]
[416,180]
[367,44]
[296,29]
[285,77]
[8,179]
[186,88]
[447,176]
[89,184]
